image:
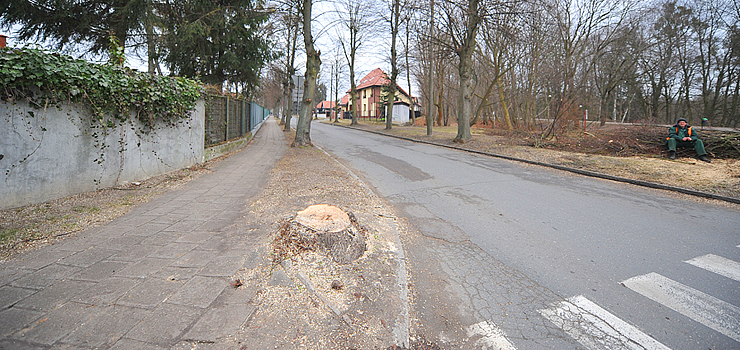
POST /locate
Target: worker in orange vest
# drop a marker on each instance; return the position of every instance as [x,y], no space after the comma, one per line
[682,135]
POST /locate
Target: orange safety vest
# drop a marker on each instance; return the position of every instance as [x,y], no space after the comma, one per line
[668,138]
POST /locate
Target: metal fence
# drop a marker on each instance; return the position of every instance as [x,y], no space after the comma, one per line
[229,118]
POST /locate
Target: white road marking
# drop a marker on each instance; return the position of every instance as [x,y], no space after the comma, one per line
[493,337]
[718,265]
[596,328]
[716,314]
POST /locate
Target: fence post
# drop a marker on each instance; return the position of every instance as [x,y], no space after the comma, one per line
[245,124]
[226,127]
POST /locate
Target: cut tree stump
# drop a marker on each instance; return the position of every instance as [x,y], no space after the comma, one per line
[323,228]
[324,218]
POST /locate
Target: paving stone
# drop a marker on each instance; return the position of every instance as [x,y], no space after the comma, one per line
[143,268]
[123,242]
[14,319]
[18,345]
[128,344]
[73,244]
[196,212]
[161,238]
[134,253]
[161,206]
[173,250]
[195,258]
[46,276]
[100,270]
[133,219]
[10,295]
[107,328]
[222,266]
[170,218]
[199,291]
[149,293]
[148,229]
[40,258]
[280,278]
[174,273]
[57,324]
[52,296]
[220,322]
[216,223]
[107,291]
[185,225]
[241,295]
[195,236]
[11,273]
[87,257]
[253,259]
[216,243]
[116,228]
[165,325]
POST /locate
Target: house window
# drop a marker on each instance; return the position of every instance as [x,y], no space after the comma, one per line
[364,93]
[364,107]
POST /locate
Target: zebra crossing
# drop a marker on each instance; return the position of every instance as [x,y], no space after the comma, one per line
[595,328]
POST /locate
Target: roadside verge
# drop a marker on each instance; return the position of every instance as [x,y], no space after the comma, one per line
[642,183]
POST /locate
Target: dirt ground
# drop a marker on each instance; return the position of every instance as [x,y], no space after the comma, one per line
[630,151]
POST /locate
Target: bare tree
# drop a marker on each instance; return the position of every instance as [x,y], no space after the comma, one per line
[290,19]
[394,21]
[575,26]
[430,93]
[313,66]
[357,18]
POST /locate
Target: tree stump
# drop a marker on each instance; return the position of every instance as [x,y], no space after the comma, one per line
[325,229]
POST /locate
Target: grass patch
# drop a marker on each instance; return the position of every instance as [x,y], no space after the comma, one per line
[8,235]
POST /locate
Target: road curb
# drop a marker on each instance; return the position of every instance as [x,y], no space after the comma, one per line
[564,168]
[401,335]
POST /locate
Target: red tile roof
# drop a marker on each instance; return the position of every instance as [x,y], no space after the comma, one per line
[325,104]
[377,77]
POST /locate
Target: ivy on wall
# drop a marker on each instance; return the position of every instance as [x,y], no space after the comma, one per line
[48,79]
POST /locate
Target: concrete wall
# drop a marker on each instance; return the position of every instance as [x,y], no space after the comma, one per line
[49,154]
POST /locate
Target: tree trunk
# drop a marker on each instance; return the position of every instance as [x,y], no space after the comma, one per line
[322,228]
[313,65]
[504,107]
[412,117]
[465,52]
[430,92]
[395,17]
[439,103]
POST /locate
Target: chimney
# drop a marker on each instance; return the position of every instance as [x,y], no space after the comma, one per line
[2,40]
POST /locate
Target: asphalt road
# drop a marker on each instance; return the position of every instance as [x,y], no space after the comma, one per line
[540,258]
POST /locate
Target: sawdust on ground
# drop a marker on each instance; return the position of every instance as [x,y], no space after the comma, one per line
[296,305]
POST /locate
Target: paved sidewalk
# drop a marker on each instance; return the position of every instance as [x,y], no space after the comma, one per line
[152,278]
